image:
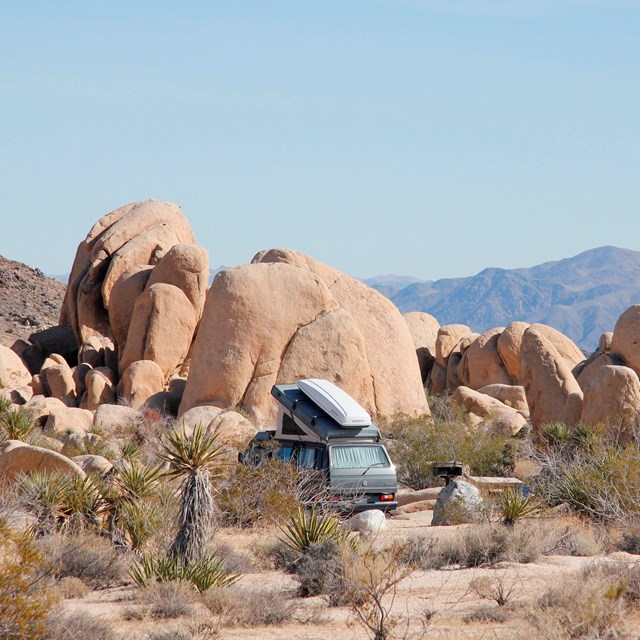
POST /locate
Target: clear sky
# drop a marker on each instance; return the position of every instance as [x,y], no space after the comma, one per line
[424,137]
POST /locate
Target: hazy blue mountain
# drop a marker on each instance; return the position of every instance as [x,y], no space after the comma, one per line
[581,296]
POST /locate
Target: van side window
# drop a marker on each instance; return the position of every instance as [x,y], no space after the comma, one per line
[283,453]
[307,457]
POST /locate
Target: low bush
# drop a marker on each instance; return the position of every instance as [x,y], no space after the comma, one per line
[593,474]
[25,599]
[320,570]
[168,600]
[415,443]
[476,546]
[249,496]
[87,557]
[244,608]
[71,626]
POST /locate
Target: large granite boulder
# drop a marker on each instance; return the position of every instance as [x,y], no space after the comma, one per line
[17,457]
[548,381]
[287,316]
[481,364]
[459,502]
[625,342]
[424,331]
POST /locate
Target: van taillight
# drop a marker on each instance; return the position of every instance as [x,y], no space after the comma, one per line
[386,497]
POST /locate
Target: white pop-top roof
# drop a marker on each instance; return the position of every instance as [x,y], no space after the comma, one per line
[336,402]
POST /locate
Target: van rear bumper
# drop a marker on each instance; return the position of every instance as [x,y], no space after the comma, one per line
[359,505]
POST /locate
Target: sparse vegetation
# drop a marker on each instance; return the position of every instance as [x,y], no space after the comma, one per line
[25,599]
[415,443]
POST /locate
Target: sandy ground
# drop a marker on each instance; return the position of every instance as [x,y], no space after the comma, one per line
[445,593]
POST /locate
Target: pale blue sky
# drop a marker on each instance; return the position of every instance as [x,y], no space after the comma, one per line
[422,137]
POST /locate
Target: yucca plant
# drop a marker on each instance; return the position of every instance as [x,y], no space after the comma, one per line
[194,459]
[46,495]
[209,571]
[130,485]
[16,425]
[84,500]
[305,528]
[515,506]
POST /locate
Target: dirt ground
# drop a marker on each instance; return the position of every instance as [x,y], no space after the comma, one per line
[429,604]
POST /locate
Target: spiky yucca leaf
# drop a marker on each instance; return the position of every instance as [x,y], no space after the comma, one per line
[186,454]
[46,495]
[209,571]
[16,425]
[305,528]
[515,506]
[137,481]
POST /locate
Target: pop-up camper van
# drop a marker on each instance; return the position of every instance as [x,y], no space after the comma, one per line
[320,427]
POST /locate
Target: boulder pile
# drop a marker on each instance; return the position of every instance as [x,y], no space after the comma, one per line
[140,330]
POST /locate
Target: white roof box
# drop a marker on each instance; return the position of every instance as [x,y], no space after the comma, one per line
[336,402]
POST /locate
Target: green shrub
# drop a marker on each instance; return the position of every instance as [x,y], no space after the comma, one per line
[25,600]
[250,496]
[415,443]
[596,476]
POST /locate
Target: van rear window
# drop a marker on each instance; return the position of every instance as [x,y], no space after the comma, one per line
[359,457]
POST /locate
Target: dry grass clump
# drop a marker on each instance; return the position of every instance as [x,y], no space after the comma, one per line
[71,626]
[71,587]
[168,600]
[475,546]
[595,606]
[485,614]
[243,608]
[87,557]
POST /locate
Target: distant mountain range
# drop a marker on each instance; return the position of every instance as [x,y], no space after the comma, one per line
[581,296]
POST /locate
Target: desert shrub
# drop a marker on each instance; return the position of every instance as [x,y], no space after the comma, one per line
[593,474]
[25,600]
[87,557]
[277,555]
[370,584]
[236,561]
[243,608]
[595,606]
[72,588]
[475,546]
[209,571]
[485,614]
[70,626]
[415,443]
[249,496]
[630,541]
[320,569]
[168,600]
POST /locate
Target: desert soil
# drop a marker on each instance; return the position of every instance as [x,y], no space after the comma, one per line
[444,593]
